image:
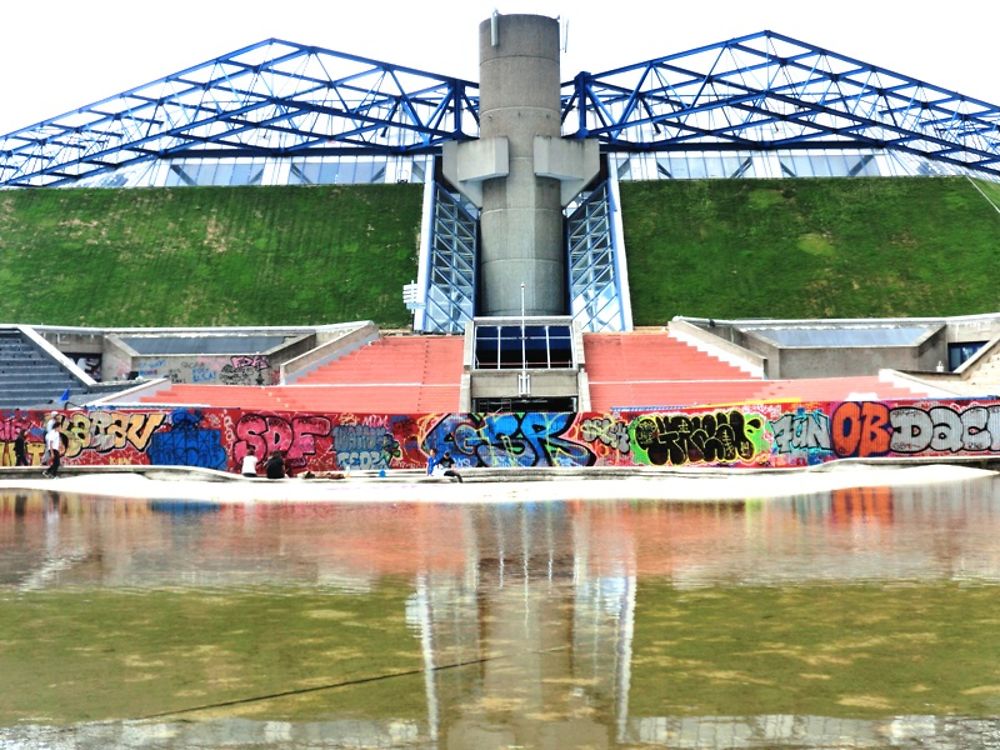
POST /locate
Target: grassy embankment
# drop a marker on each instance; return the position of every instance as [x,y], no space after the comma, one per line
[811,248]
[208,256]
[294,255]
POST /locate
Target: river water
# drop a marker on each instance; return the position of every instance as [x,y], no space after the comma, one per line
[864,618]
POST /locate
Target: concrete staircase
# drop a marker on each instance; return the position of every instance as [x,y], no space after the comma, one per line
[30,378]
[393,375]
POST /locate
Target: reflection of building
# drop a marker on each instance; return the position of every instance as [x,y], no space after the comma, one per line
[529,619]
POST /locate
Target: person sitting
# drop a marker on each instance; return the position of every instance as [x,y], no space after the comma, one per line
[432,461]
[441,466]
[275,466]
[448,464]
[249,467]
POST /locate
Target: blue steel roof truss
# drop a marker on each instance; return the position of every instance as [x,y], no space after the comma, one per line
[762,91]
[271,98]
[767,91]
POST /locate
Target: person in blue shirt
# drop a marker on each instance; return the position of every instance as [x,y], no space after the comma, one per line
[432,461]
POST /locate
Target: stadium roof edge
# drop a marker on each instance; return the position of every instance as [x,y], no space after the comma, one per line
[276,98]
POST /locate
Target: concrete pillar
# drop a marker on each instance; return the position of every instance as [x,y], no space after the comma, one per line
[521,216]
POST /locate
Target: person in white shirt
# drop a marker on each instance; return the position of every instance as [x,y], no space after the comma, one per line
[49,424]
[249,468]
[54,446]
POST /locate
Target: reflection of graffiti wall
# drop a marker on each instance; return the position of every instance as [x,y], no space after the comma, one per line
[764,435]
[227,369]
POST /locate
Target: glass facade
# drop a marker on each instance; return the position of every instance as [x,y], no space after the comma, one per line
[673,165]
[797,164]
[314,170]
[503,347]
[337,171]
[215,172]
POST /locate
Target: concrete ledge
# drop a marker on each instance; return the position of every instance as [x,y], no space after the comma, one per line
[467,164]
[573,163]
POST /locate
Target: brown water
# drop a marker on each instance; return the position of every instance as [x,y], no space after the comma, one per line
[856,619]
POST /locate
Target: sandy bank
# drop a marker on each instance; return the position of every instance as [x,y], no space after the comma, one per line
[498,487]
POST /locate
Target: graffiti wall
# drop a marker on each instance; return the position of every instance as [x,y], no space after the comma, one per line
[224,369]
[751,435]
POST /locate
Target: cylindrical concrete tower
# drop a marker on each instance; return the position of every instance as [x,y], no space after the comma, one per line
[521,216]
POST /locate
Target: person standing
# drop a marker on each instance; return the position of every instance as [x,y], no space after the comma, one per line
[21,449]
[49,424]
[53,445]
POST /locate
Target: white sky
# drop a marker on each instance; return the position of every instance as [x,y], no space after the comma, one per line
[60,55]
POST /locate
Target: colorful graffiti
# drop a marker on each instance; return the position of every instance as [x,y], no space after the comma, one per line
[752,435]
[526,439]
[243,369]
[724,437]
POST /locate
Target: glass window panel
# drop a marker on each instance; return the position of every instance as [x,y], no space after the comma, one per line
[696,167]
[173,177]
[189,173]
[241,174]
[295,175]
[203,174]
[363,172]
[865,165]
[821,167]
[679,167]
[223,174]
[839,166]
[310,170]
[715,166]
[802,166]
[326,173]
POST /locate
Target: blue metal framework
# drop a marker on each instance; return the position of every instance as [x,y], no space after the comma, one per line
[449,295]
[766,91]
[273,98]
[276,98]
[595,293]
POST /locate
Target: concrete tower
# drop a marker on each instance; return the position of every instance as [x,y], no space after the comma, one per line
[520,173]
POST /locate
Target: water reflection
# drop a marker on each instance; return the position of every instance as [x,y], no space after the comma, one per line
[944,531]
[549,625]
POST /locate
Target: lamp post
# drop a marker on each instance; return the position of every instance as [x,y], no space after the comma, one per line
[523,384]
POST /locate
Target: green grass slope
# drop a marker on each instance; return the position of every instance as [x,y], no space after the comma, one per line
[302,255]
[811,248]
[208,256]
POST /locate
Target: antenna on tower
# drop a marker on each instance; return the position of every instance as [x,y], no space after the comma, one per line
[495,28]
[565,36]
